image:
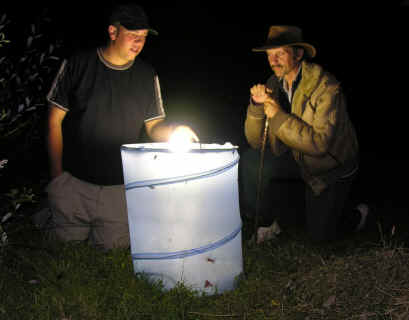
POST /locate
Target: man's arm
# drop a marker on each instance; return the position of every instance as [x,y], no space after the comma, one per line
[55,140]
[312,138]
[157,130]
[260,97]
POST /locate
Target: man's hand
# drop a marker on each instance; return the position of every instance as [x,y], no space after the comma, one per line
[184,134]
[259,93]
[270,107]
[160,130]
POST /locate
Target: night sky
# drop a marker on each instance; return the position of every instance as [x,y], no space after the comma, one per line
[206,67]
[205,64]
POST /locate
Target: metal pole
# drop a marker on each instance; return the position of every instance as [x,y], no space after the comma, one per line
[260,177]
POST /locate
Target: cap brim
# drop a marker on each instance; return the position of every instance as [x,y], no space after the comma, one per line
[139,27]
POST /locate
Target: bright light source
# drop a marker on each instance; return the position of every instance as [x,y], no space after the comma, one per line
[180,140]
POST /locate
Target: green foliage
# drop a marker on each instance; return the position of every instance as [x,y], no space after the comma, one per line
[3,40]
[27,65]
[11,202]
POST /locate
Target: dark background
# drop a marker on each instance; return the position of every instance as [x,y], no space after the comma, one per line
[204,60]
[206,67]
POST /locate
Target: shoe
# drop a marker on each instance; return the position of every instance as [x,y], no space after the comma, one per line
[268,233]
[41,218]
[364,211]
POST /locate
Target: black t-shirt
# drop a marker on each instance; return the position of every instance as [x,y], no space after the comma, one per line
[106,107]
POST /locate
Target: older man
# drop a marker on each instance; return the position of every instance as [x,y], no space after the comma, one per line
[310,135]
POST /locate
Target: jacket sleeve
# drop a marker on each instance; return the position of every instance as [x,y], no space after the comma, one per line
[254,125]
[315,136]
[254,129]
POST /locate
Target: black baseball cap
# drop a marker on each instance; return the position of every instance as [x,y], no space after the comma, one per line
[132,17]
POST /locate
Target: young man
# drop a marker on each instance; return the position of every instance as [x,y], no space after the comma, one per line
[310,135]
[100,100]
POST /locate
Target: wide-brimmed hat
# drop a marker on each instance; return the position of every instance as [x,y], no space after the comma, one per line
[280,36]
[132,17]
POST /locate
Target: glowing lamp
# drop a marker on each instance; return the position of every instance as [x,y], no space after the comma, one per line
[180,140]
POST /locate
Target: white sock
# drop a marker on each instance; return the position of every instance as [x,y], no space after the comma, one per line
[364,210]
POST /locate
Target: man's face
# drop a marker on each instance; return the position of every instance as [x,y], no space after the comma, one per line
[128,44]
[283,60]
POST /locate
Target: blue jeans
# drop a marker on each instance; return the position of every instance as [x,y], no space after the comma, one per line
[285,194]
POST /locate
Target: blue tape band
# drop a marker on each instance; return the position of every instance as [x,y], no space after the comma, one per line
[155,182]
[186,253]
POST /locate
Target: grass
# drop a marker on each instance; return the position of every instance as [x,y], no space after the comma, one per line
[365,277]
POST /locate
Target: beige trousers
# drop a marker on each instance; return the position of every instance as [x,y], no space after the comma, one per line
[83,211]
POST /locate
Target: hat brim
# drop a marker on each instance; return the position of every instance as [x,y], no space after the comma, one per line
[309,49]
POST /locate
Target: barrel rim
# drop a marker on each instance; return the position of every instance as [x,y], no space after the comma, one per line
[165,147]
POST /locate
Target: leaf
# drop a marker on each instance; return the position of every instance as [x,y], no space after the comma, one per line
[3,237]
[3,163]
[6,217]
[32,77]
[330,301]
[29,41]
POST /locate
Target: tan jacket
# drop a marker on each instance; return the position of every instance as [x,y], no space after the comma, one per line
[318,130]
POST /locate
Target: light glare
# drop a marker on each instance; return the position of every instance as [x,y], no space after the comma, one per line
[180,140]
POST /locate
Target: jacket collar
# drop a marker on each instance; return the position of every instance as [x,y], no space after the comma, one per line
[312,74]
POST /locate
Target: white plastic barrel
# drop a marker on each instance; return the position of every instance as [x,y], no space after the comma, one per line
[183,212]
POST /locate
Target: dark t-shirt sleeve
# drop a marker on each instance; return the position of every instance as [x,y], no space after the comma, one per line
[58,94]
[156,110]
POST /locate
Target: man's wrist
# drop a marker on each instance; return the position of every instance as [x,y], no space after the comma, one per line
[254,103]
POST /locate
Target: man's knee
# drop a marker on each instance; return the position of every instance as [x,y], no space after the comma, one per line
[110,236]
[66,232]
